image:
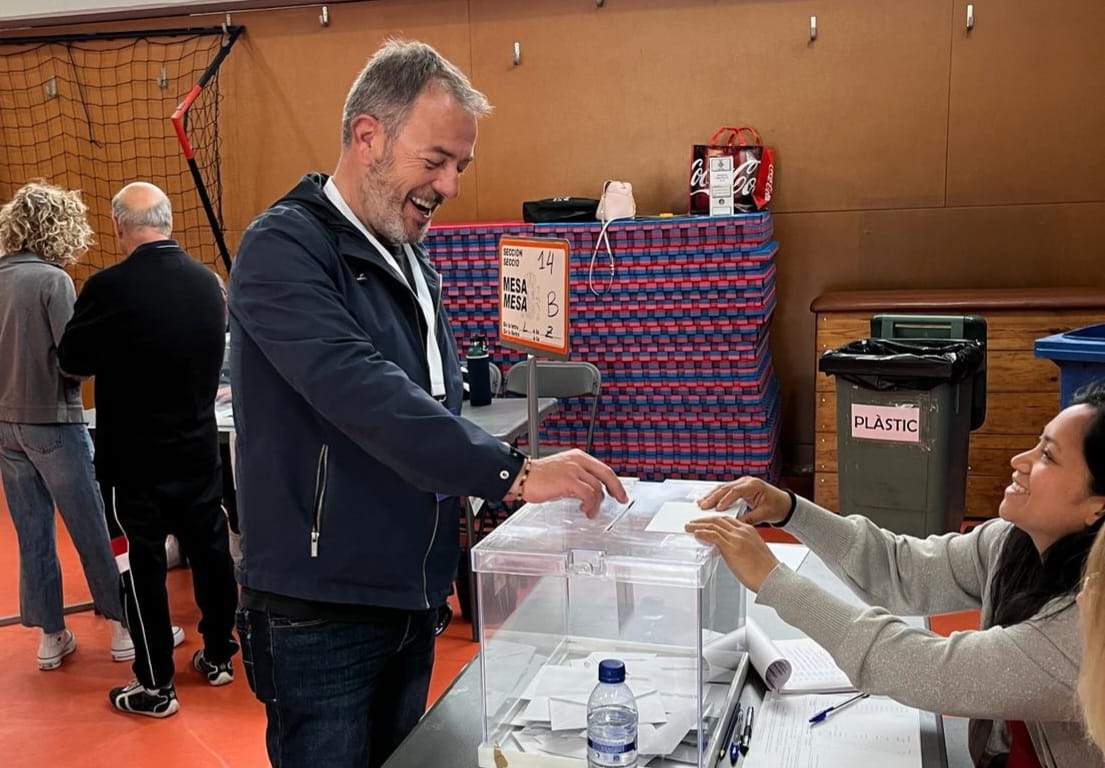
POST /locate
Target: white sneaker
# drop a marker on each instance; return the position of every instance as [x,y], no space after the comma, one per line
[172,552]
[122,646]
[54,647]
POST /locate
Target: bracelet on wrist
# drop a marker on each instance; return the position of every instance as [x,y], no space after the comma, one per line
[523,475]
[790,512]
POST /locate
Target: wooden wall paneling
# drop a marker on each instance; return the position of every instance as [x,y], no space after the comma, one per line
[981,247]
[1026,109]
[815,250]
[1015,330]
[826,490]
[991,454]
[858,117]
[285,84]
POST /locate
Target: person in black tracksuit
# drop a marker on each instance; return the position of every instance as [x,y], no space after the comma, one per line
[151,331]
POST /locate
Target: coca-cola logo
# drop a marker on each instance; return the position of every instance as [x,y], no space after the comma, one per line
[699,175]
[744,177]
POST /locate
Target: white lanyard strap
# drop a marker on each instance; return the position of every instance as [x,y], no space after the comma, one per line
[420,289]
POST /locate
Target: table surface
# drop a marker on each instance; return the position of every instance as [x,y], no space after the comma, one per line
[450,732]
[506,418]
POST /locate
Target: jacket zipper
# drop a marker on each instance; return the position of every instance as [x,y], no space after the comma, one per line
[426,557]
[320,497]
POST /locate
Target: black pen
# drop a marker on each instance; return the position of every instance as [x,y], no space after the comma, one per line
[747,737]
[729,732]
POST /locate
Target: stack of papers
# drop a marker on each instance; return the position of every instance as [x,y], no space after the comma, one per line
[875,731]
[794,666]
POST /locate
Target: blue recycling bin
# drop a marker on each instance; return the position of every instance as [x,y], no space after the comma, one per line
[1080,355]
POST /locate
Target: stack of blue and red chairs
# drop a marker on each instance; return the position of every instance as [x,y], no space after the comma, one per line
[680,337]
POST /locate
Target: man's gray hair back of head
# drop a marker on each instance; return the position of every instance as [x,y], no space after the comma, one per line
[158,216]
[394,77]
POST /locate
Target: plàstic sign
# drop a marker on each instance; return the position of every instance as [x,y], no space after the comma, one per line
[895,423]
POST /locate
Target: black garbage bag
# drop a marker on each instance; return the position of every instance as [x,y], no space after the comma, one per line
[886,365]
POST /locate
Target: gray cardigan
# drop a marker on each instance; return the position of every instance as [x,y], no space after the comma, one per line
[36,301]
[1027,671]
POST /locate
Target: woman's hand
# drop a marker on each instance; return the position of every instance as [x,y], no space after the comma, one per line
[766,503]
[746,554]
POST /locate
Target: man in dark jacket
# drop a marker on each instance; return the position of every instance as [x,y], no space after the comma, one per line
[151,331]
[345,381]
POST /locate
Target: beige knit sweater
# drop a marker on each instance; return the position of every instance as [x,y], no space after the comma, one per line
[1023,672]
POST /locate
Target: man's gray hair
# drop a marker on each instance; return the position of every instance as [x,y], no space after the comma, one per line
[395,76]
[158,216]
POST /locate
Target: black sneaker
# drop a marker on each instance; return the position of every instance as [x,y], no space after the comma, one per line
[216,674]
[135,699]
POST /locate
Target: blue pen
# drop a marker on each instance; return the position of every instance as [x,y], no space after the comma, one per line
[734,740]
[825,712]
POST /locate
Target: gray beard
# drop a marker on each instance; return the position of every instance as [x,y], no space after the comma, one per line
[389,229]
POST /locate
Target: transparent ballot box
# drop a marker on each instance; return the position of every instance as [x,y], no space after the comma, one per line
[558,593]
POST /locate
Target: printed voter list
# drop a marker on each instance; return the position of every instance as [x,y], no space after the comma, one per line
[533,295]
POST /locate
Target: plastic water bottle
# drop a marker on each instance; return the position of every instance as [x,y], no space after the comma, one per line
[479,373]
[611,720]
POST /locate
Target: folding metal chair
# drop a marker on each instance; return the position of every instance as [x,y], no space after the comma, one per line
[561,379]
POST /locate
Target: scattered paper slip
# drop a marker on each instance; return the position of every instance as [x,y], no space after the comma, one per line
[673,516]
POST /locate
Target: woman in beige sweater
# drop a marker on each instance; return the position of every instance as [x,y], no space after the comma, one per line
[1016,678]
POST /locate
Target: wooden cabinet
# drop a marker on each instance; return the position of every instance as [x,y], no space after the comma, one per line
[1022,392]
[859,116]
[1026,113]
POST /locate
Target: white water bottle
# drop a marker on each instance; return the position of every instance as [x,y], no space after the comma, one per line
[611,720]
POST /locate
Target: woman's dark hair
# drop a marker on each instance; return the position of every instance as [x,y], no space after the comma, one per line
[1025,580]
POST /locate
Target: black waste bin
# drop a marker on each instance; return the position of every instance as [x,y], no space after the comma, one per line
[903,417]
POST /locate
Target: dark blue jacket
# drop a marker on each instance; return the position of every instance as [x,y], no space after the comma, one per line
[341,450]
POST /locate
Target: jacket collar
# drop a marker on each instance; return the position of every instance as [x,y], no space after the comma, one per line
[351,243]
[154,246]
[26,257]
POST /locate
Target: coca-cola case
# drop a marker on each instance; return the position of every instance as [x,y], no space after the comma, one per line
[753,169]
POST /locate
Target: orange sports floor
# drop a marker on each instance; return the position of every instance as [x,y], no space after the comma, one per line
[62,717]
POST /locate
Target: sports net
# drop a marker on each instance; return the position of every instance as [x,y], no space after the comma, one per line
[91,112]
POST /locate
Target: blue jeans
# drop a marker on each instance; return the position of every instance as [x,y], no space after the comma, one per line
[43,465]
[338,694]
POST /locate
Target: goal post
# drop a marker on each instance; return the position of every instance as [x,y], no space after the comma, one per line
[95,111]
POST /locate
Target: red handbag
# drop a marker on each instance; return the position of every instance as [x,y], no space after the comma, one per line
[753,171]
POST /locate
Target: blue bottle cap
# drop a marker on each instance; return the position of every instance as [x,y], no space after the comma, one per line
[611,671]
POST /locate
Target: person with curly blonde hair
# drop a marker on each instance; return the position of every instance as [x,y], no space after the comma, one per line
[45,449]
[1091,681]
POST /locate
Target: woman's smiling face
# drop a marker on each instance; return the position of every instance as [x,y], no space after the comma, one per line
[1050,496]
